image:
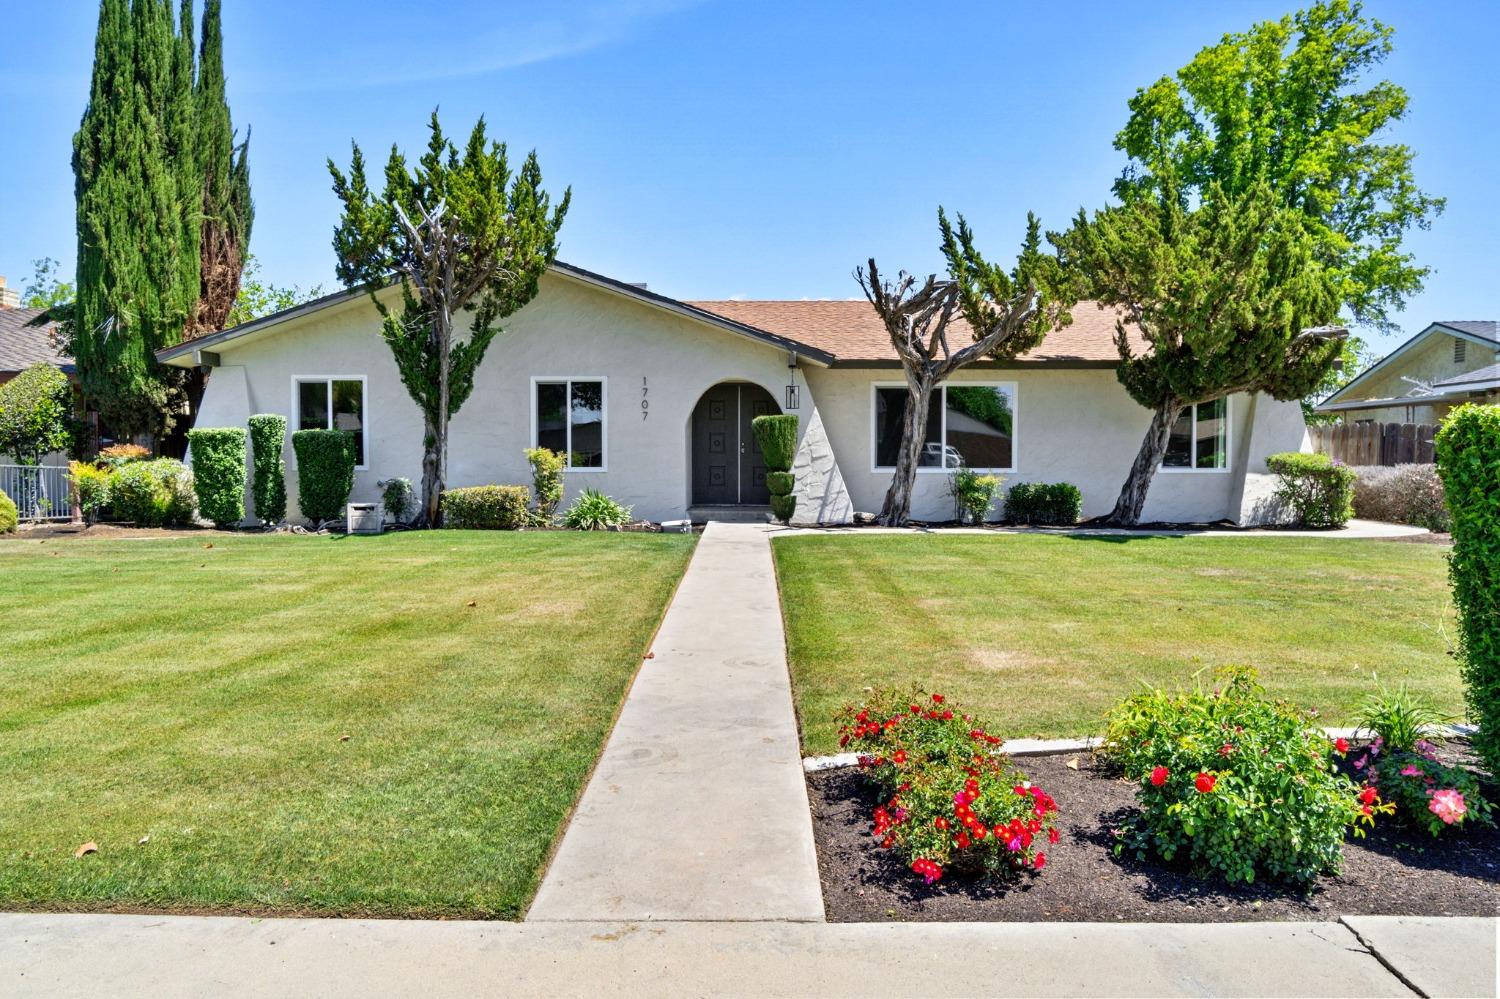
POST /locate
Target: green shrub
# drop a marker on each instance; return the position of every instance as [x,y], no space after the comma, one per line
[594,511]
[36,414]
[89,485]
[1401,494]
[1237,783]
[780,483]
[219,473]
[783,507]
[325,472]
[1318,490]
[1043,503]
[777,437]
[487,508]
[1468,444]
[156,493]
[547,468]
[973,493]
[399,499]
[8,516]
[949,799]
[268,480]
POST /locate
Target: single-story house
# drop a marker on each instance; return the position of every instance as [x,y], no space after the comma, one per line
[652,400]
[1445,365]
[23,345]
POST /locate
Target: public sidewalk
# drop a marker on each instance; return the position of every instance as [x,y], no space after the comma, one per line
[698,807]
[169,956]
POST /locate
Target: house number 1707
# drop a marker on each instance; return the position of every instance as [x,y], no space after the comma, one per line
[645,403]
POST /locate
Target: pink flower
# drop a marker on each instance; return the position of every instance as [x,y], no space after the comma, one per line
[1448,805]
[1411,770]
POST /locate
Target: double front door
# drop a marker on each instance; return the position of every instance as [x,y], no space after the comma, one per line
[728,468]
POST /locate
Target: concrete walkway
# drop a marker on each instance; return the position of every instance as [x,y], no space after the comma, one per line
[698,809]
[168,956]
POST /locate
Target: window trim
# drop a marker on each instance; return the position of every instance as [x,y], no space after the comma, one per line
[364,399]
[1015,435]
[568,380]
[1193,469]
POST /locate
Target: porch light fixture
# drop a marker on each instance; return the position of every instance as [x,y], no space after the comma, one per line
[793,391]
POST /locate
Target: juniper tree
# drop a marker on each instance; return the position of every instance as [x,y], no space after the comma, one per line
[1229,296]
[462,234]
[227,212]
[1005,313]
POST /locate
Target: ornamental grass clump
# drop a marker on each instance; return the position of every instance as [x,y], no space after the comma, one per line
[1234,783]
[949,799]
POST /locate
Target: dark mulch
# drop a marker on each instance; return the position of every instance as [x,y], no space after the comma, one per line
[1393,871]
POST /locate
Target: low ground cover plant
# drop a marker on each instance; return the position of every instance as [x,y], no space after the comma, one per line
[1043,503]
[219,473]
[950,800]
[155,493]
[1234,783]
[973,493]
[325,472]
[594,511]
[1401,763]
[1316,489]
[1401,494]
[487,508]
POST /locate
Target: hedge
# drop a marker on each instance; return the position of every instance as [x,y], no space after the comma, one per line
[8,517]
[1044,503]
[157,493]
[1468,459]
[489,508]
[1319,490]
[1401,494]
[777,437]
[268,486]
[219,473]
[325,472]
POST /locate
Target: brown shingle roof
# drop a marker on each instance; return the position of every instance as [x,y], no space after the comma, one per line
[852,332]
[21,345]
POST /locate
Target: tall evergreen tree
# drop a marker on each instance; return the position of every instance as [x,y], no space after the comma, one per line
[227,208]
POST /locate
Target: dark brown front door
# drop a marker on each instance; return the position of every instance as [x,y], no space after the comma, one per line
[728,468]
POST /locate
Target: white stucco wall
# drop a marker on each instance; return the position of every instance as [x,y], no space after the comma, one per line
[570,330]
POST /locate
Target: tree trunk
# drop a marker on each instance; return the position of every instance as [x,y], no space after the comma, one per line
[432,478]
[435,454]
[1132,499]
[897,507]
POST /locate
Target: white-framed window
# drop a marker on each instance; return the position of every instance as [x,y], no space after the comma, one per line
[333,402]
[567,416]
[968,423]
[1199,441]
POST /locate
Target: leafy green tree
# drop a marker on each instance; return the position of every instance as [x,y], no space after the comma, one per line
[1285,104]
[463,235]
[228,212]
[1007,312]
[258,297]
[46,289]
[1230,297]
[36,414]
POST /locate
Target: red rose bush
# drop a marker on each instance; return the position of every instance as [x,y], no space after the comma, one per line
[950,800]
[1235,783]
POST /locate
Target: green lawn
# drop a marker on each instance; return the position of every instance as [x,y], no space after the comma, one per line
[387,725]
[1042,634]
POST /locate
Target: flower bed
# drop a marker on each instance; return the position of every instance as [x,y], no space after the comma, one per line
[1396,869]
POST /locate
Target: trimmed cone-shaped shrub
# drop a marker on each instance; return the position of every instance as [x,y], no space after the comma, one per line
[8,518]
[1467,448]
[780,483]
[325,472]
[777,437]
[268,485]
[782,508]
[219,473]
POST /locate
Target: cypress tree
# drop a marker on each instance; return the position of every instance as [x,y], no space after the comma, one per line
[227,209]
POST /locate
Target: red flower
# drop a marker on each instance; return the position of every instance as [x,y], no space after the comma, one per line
[937,698]
[940,822]
[1367,797]
[947,716]
[1205,782]
[1159,776]
[1052,836]
[963,841]
[899,756]
[1041,861]
[1341,744]
[979,831]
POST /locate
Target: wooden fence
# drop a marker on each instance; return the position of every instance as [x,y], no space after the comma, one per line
[1376,443]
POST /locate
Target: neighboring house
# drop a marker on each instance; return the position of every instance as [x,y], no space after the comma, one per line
[1446,364]
[652,398]
[22,345]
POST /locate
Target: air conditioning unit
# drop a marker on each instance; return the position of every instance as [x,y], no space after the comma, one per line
[364,518]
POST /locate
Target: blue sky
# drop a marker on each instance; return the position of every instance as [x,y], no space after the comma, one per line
[755,150]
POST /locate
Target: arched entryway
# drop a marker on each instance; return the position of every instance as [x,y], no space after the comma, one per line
[728,469]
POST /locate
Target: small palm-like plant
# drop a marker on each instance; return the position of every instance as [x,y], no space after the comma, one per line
[594,511]
[1399,717]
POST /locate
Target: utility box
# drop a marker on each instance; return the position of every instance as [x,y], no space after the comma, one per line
[364,518]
